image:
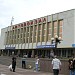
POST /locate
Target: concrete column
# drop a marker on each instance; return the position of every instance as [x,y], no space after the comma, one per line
[33,36]
[61,52]
[32,54]
[18,53]
[73,52]
[37,35]
[8,53]
[46,35]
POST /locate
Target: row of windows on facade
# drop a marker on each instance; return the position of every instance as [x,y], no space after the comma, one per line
[31,32]
[16,41]
[44,32]
[31,39]
[24,39]
[21,35]
[36,27]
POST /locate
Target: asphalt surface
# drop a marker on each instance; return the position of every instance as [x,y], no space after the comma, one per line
[6,61]
[4,70]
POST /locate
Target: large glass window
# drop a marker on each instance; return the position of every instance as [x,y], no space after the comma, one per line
[21,30]
[34,39]
[40,26]
[18,31]
[60,28]
[55,27]
[49,31]
[49,37]
[31,28]
[39,38]
[30,39]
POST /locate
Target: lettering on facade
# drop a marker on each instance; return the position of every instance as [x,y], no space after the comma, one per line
[30,23]
[22,25]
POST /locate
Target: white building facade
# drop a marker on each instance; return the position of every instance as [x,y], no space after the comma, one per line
[38,32]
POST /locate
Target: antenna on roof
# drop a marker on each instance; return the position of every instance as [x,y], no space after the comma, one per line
[12,19]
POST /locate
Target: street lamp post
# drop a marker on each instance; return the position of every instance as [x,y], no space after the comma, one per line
[56,40]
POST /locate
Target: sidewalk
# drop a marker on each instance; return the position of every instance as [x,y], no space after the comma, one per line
[4,70]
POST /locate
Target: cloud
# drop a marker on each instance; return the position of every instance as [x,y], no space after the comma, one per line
[24,10]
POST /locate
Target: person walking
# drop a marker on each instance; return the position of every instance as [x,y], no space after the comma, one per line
[56,64]
[74,66]
[51,54]
[24,62]
[36,63]
[13,63]
[71,66]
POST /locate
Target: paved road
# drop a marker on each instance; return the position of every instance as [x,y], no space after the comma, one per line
[6,60]
[4,70]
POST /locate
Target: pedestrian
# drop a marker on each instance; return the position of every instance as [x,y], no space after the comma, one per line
[56,64]
[13,63]
[51,54]
[74,66]
[24,62]
[71,65]
[36,63]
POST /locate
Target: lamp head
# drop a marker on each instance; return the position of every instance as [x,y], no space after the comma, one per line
[56,36]
[60,38]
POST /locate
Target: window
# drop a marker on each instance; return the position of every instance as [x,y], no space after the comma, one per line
[34,40]
[35,28]
[21,30]
[39,38]
[40,26]
[55,30]
[55,23]
[44,32]
[31,28]
[60,28]
[49,37]
[31,40]
[44,38]
[27,29]
[43,26]
[49,31]
[18,31]
[49,25]
[26,40]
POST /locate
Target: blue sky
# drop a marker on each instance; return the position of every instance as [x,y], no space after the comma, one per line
[24,10]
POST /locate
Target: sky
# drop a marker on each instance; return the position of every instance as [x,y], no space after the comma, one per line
[25,10]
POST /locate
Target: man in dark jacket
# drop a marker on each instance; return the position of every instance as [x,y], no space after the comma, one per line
[71,65]
[24,62]
[13,63]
